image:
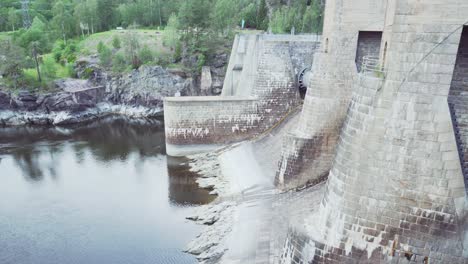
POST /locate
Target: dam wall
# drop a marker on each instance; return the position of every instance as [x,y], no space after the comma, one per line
[201,119]
[351,32]
[260,89]
[396,190]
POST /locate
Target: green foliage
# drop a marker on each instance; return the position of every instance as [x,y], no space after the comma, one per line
[100,47]
[11,62]
[145,55]
[194,16]
[194,30]
[262,16]
[36,34]
[177,52]
[57,50]
[88,72]
[116,42]
[224,15]
[284,19]
[118,63]
[64,53]
[48,67]
[132,46]
[105,56]
[312,21]
[201,61]
[171,36]
[63,21]
[14,18]
[249,15]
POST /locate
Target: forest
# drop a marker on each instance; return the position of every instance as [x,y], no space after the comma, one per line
[40,40]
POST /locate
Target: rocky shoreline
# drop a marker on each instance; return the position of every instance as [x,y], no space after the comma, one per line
[137,94]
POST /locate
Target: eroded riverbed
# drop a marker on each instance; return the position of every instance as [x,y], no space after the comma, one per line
[104,192]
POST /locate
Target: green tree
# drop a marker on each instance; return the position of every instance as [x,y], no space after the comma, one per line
[85,15]
[107,13]
[171,36]
[100,46]
[11,62]
[118,63]
[13,18]
[286,18]
[63,20]
[34,39]
[116,42]
[43,8]
[262,16]
[105,56]
[145,55]
[49,68]
[224,15]
[132,47]
[249,15]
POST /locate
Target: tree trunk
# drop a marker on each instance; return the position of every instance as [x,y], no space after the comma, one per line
[63,33]
[37,63]
[159,8]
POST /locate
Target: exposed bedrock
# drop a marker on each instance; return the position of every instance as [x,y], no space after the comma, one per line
[139,93]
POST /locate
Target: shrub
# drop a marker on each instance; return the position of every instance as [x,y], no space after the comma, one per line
[69,53]
[118,63]
[116,42]
[105,55]
[57,50]
[178,52]
[145,55]
[49,68]
[100,47]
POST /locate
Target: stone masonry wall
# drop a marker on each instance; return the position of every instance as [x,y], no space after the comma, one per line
[198,120]
[395,191]
[273,95]
[310,157]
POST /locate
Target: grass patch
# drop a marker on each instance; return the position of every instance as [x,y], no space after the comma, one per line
[150,37]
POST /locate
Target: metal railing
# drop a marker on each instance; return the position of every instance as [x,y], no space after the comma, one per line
[371,65]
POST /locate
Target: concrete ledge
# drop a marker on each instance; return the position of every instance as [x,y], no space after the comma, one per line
[209,98]
[210,120]
[185,150]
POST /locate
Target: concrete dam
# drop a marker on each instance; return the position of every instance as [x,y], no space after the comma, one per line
[381,132]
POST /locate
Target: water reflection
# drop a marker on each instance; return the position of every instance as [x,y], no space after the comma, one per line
[182,184]
[103,192]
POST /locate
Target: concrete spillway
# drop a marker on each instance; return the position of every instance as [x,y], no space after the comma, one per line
[259,90]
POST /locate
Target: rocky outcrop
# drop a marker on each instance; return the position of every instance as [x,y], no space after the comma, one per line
[146,86]
[139,93]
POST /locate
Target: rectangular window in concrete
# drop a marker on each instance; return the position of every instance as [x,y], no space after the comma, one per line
[368,45]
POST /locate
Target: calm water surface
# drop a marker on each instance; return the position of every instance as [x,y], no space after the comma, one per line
[99,193]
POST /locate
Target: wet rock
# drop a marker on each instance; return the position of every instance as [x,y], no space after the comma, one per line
[6,101]
[192,218]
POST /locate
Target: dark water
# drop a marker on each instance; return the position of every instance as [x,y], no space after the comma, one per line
[100,193]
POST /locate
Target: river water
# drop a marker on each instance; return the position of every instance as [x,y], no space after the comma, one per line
[103,192]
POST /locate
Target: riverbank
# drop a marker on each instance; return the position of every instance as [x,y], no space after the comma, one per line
[137,94]
[60,118]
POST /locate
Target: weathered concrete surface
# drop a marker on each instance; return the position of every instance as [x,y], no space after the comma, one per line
[395,192]
[249,192]
[204,120]
[261,78]
[309,149]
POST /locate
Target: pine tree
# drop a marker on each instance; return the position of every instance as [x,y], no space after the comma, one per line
[262,16]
